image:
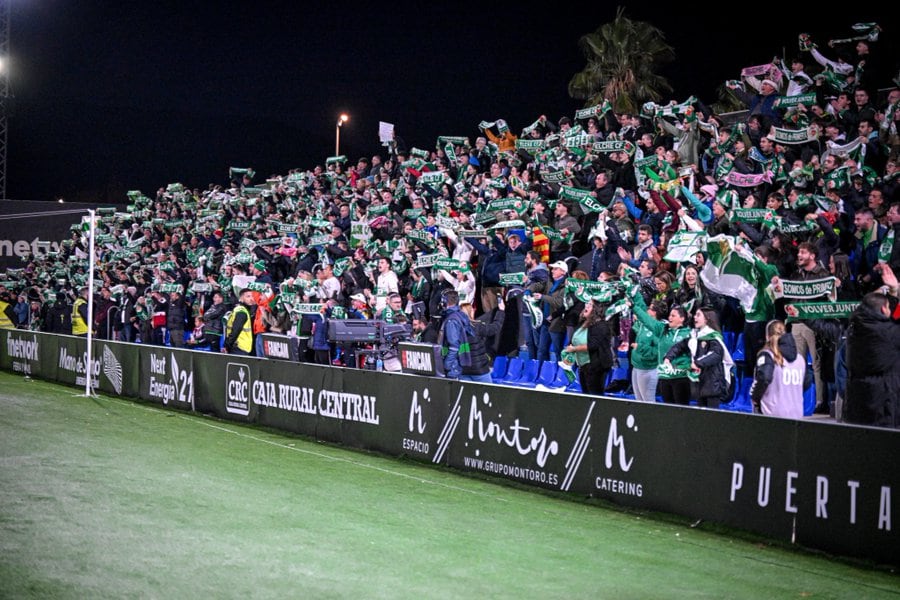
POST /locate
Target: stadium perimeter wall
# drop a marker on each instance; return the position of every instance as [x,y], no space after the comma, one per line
[821,485]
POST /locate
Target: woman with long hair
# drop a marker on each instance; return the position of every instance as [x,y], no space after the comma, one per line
[839,265]
[674,384]
[591,347]
[711,362]
[778,380]
[690,293]
[663,281]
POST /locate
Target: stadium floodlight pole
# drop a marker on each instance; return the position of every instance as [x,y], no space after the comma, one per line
[88,370]
[337,133]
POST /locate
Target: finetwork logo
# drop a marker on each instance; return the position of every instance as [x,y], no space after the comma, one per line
[237,389]
[112,368]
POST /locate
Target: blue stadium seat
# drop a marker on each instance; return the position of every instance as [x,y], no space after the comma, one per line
[729,337]
[741,401]
[530,370]
[547,373]
[621,372]
[498,371]
[513,370]
[739,353]
[809,400]
[560,380]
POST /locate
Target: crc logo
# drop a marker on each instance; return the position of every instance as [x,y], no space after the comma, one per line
[237,389]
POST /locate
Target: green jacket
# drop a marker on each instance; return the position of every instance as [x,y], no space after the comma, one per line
[644,355]
[665,338]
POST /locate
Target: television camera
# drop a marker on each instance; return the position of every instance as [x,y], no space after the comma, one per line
[373,339]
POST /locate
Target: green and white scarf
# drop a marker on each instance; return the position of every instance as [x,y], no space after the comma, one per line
[582,196]
[822,310]
[610,146]
[500,123]
[807,290]
[855,150]
[792,101]
[685,245]
[789,137]
[584,290]
[594,111]
[886,248]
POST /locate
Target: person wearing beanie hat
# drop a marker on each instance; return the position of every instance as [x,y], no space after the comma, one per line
[724,202]
[258,270]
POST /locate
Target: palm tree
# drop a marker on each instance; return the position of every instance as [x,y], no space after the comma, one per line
[621,59]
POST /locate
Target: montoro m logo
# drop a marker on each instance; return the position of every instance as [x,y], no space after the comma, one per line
[617,441]
[615,449]
[237,389]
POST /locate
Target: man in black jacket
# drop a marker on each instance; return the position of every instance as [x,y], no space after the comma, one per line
[59,316]
[176,319]
[873,358]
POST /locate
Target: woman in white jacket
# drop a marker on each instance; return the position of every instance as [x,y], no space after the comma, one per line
[464,284]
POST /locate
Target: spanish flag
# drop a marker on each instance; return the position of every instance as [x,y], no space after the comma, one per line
[540,243]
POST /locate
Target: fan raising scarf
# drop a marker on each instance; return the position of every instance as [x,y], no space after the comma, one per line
[708,334]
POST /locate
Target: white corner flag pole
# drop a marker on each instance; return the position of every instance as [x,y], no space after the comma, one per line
[88,369]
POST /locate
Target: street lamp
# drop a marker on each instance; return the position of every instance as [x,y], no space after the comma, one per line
[337,133]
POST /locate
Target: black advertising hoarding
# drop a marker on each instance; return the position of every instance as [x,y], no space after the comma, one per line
[280,347]
[209,384]
[31,227]
[287,397]
[119,368]
[407,415]
[844,499]
[22,353]
[167,376]
[689,461]
[822,485]
[224,385]
[542,439]
[421,359]
[71,363]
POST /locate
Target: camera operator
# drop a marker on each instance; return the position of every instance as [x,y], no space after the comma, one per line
[485,328]
[455,330]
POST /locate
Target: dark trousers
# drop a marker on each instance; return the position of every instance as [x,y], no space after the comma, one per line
[592,378]
[754,340]
[176,338]
[675,391]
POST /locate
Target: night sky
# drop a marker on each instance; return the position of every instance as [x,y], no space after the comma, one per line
[113,96]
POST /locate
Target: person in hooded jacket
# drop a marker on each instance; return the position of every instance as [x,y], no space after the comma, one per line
[873,359]
[780,375]
[59,316]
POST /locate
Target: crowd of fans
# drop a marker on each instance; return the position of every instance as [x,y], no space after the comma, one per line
[596,229]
